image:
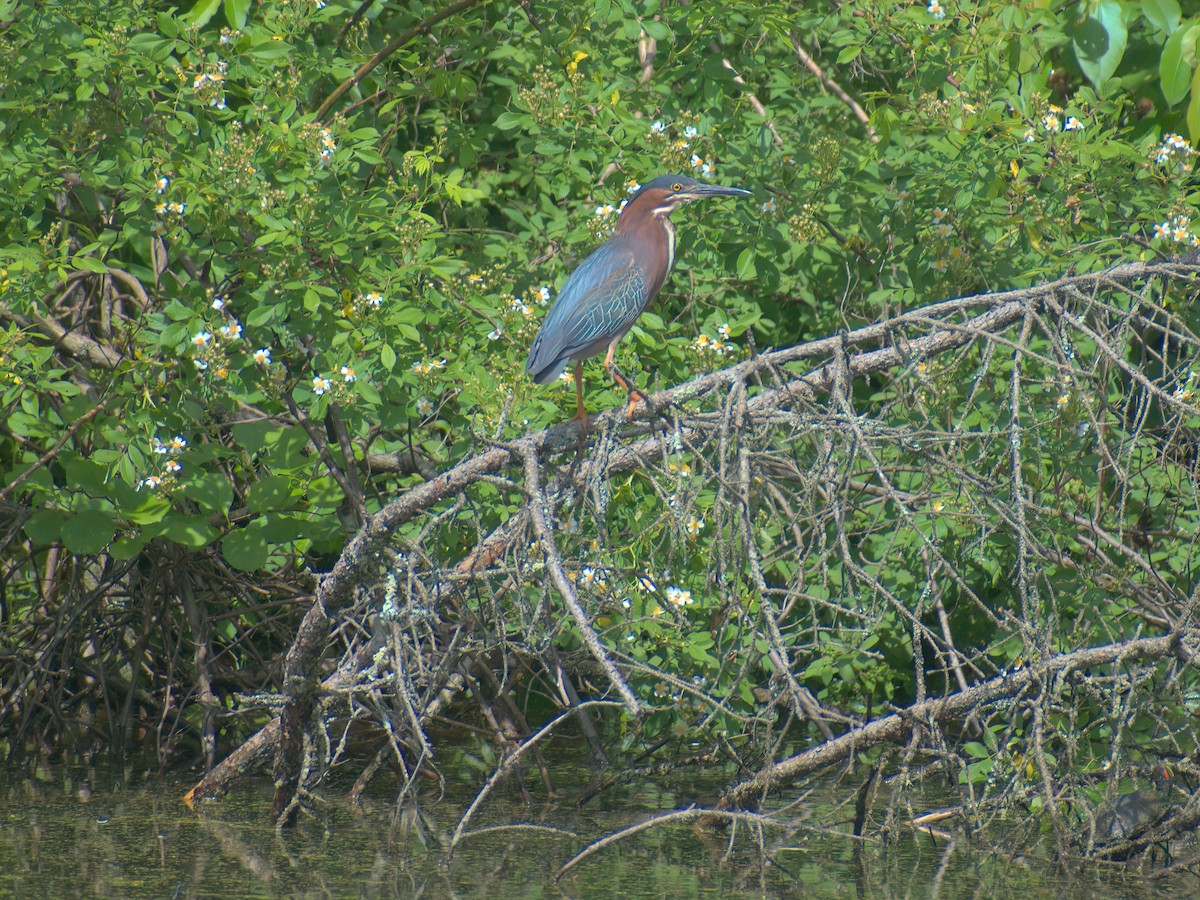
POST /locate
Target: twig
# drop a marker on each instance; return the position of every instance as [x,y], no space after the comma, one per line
[389,48]
[50,454]
[834,88]
[510,760]
[554,564]
[754,101]
[896,727]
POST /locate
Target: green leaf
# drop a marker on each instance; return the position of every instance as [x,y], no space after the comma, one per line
[45,527]
[387,357]
[1193,110]
[245,549]
[209,490]
[1162,14]
[153,509]
[89,531]
[1099,39]
[849,54]
[236,12]
[199,14]
[656,29]
[1177,62]
[745,264]
[189,531]
[279,529]
[272,492]
[268,50]
[128,547]
[90,264]
[509,120]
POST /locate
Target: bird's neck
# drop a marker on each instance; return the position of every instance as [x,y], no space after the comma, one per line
[654,228]
[669,227]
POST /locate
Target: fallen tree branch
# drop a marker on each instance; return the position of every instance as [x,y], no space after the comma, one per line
[895,729]
[777,394]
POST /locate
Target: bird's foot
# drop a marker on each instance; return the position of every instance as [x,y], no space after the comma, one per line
[634,395]
[582,418]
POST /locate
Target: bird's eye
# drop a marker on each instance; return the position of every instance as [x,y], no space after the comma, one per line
[677,186]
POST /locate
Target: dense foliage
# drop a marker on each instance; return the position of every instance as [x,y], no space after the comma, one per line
[266,266]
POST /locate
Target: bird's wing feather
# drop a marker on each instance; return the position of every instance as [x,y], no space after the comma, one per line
[601,300]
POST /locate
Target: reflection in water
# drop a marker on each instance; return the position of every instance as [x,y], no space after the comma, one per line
[113,832]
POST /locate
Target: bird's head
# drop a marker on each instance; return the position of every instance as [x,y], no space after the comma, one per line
[666,193]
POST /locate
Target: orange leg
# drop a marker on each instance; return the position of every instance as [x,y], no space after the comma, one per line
[615,374]
[581,415]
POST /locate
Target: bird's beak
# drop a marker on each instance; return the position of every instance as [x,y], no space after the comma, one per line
[718,190]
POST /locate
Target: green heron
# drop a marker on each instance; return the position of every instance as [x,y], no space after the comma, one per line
[608,290]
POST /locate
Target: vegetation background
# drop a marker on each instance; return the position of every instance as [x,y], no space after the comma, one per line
[268,269]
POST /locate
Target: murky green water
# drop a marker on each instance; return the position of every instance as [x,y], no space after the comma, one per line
[126,834]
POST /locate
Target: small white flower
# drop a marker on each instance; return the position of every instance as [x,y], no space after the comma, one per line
[690,131]
[678,597]
[424,406]
[658,128]
[347,373]
[218,303]
[202,339]
[1073,124]
[321,385]
[495,334]
[936,10]
[262,356]
[162,184]
[174,467]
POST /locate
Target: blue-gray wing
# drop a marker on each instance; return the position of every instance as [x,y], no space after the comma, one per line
[599,303]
